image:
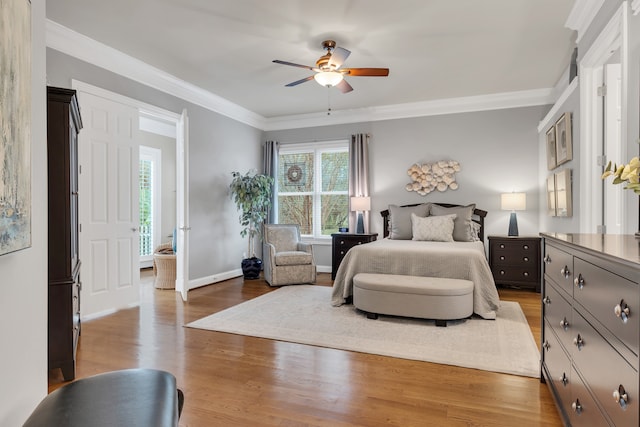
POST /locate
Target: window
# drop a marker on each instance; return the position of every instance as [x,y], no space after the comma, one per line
[313,186]
[149,176]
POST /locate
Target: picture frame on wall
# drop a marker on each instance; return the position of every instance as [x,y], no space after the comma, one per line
[15,125]
[551,148]
[564,143]
[551,195]
[564,205]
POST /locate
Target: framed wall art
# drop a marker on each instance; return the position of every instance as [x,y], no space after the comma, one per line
[564,206]
[564,143]
[551,195]
[15,125]
[551,148]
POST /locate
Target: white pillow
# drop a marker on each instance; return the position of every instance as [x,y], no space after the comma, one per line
[433,228]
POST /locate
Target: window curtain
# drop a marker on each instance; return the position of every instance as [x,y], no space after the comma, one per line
[358,175]
[271,168]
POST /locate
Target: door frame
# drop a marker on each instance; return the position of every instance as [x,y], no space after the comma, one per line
[612,38]
[182,165]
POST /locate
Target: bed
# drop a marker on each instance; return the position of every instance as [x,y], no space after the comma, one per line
[458,253]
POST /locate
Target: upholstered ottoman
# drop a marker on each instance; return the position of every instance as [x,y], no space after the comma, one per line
[412,296]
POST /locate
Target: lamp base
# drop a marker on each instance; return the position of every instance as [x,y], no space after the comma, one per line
[513,225]
[360,224]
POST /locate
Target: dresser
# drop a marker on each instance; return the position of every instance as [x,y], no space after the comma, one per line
[63,125]
[591,327]
[515,261]
[342,242]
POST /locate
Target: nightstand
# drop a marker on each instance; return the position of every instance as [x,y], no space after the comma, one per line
[515,261]
[342,242]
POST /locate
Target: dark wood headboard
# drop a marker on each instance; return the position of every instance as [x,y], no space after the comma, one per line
[478,216]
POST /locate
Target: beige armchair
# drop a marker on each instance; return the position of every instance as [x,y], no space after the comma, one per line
[287,260]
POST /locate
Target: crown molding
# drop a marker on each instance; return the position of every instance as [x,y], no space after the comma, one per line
[582,15]
[86,49]
[416,109]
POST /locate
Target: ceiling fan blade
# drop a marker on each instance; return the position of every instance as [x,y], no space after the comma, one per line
[338,56]
[277,61]
[297,82]
[370,72]
[344,87]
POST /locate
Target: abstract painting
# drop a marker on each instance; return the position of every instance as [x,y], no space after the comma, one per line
[15,125]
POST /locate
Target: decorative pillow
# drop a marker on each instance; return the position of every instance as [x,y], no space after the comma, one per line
[474,230]
[400,220]
[433,228]
[462,222]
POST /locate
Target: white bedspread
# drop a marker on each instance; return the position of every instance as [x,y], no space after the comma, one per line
[456,260]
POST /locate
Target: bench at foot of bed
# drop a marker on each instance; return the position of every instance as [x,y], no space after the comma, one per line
[434,298]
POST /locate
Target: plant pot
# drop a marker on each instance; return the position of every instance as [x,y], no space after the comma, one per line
[251,267]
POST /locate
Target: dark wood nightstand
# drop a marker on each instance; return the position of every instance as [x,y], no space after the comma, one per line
[515,261]
[342,242]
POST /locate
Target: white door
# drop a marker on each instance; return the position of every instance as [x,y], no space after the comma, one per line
[182,215]
[612,195]
[109,217]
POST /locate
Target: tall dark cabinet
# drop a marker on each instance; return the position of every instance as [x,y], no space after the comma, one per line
[63,125]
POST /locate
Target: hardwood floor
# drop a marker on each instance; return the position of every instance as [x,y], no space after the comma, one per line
[233,380]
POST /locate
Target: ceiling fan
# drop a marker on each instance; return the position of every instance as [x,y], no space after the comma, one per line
[328,68]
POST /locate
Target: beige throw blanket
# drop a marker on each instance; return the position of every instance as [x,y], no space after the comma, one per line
[456,260]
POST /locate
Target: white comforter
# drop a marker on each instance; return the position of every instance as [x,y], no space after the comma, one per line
[456,260]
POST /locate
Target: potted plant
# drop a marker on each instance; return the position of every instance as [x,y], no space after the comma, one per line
[252,194]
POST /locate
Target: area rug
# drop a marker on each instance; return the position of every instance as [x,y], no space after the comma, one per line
[304,314]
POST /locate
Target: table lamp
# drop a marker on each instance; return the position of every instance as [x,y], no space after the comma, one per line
[513,202]
[359,205]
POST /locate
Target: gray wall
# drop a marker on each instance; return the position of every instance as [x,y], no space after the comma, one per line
[217,146]
[498,152]
[167,146]
[552,223]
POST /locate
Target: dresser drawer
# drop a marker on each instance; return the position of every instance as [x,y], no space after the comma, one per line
[520,251]
[558,365]
[558,265]
[582,408]
[558,313]
[600,291]
[604,370]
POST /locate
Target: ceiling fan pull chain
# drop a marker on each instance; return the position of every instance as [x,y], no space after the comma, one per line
[328,100]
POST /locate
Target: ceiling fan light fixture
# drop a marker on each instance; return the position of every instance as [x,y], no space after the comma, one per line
[328,78]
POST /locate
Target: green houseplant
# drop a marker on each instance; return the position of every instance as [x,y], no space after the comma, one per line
[251,193]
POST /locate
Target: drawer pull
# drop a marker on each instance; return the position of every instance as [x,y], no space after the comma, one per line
[546,300]
[579,281]
[342,242]
[525,274]
[565,272]
[578,342]
[501,245]
[525,247]
[622,311]
[546,345]
[501,257]
[577,407]
[564,323]
[564,379]
[341,252]
[525,259]
[621,397]
[547,259]
[502,272]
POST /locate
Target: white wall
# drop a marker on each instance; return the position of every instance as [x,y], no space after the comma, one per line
[23,283]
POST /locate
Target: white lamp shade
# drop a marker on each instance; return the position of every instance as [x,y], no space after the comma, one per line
[361,203]
[328,78]
[513,201]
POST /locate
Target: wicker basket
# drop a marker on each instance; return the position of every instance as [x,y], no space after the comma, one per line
[164,267]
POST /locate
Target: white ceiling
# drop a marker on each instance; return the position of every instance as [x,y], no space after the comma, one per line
[435,49]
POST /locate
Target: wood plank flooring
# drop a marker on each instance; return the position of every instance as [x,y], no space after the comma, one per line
[233,380]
